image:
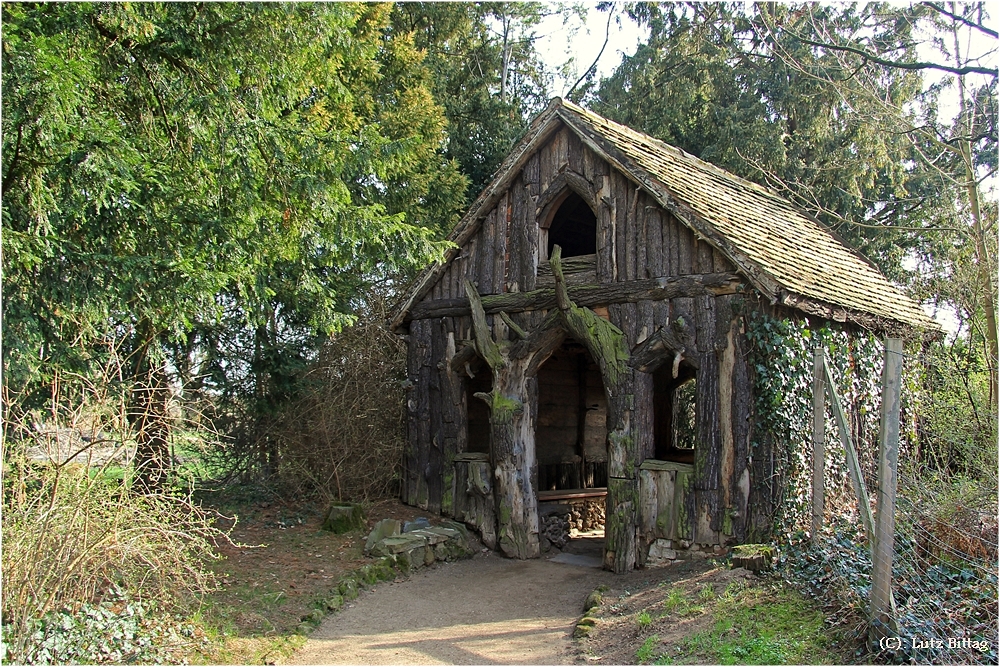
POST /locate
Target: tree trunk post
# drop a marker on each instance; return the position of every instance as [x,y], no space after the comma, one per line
[883,612]
[512,437]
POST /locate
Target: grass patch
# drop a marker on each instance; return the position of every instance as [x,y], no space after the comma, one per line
[760,626]
[678,603]
[644,654]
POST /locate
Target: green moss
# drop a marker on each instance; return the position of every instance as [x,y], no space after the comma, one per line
[502,408]
[344,517]
[447,500]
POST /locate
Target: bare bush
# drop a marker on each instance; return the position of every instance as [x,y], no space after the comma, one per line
[76,535]
[344,437]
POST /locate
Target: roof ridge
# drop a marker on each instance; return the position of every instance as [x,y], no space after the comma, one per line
[593,116]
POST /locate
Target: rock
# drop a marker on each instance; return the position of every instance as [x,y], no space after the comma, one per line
[584,626]
[460,527]
[544,544]
[660,551]
[593,600]
[403,543]
[436,535]
[343,517]
[383,529]
[416,524]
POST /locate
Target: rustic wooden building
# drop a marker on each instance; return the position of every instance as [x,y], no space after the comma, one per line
[587,333]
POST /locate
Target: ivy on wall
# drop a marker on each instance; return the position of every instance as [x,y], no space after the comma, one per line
[781,357]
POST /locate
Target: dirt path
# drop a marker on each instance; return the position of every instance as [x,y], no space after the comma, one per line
[487,610]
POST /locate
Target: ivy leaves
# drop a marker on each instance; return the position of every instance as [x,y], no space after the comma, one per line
[781,355]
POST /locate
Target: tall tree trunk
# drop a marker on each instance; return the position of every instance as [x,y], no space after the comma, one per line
[512,434]
[147,414]
[985,274]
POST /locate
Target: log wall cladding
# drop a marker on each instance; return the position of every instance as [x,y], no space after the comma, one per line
[599,273]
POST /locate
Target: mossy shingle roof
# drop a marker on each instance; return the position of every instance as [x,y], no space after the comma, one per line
[790,257]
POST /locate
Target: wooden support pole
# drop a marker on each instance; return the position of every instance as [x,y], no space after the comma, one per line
[883,611]
[819,436]
[844,430]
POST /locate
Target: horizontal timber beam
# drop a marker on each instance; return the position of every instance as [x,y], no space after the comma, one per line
[651,289]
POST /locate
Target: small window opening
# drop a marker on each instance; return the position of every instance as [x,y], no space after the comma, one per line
[478,413]
[573,228]
[675,401]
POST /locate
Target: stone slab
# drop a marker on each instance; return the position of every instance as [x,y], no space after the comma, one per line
[405,542]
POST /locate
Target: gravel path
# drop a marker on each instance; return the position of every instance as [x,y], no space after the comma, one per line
[486,610]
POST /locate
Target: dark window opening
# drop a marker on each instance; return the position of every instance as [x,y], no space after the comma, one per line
[675,413]
[571,428]
[573,228]
[478,412]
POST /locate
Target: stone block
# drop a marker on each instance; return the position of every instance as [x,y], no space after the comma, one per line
[460,527]
[400,544]
[383,529]
[343,517]
[433,535]
[660,551]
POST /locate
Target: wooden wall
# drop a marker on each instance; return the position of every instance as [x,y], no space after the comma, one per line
[636,240]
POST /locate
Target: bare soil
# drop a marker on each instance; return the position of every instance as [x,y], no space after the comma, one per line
[277,568]
[487,610]
[484,610]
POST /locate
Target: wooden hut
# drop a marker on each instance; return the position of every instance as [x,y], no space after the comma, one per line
[586,336]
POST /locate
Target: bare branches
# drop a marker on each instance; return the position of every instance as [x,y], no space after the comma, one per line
[961,19]
[870,57]
[593,65]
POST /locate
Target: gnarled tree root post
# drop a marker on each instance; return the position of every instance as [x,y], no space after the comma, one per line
[607,345]
[512,424]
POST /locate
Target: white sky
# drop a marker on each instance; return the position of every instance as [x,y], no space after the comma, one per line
[582,42]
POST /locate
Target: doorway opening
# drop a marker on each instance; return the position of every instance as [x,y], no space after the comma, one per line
[571,451]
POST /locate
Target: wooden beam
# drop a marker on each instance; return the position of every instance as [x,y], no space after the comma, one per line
[651,289]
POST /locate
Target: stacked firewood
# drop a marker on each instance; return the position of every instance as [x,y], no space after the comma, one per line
[555,528]
[587,516]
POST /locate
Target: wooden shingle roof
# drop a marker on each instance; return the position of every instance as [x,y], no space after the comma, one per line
[790,257]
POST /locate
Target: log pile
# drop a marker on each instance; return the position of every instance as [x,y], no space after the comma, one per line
[587,516]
